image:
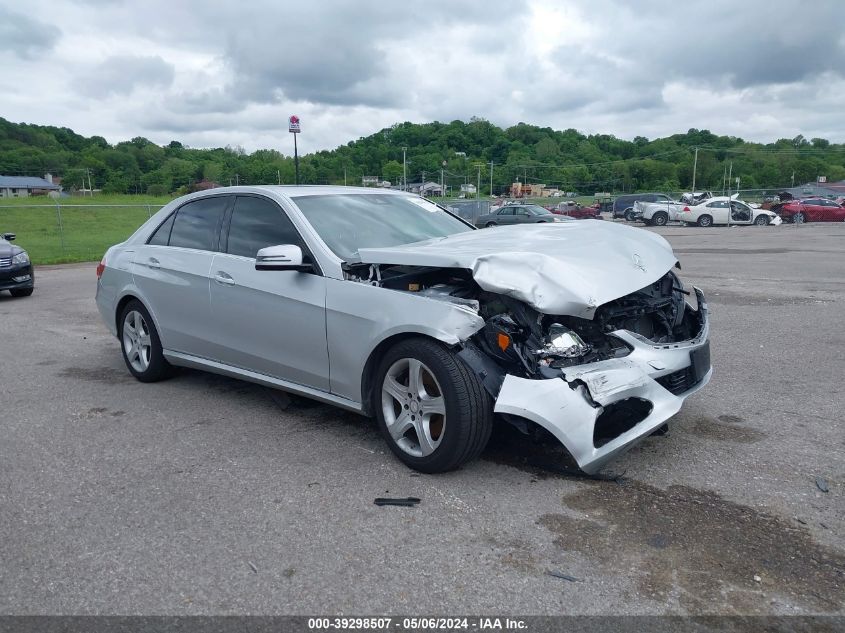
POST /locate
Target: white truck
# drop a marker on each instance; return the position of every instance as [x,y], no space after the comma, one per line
[657,213]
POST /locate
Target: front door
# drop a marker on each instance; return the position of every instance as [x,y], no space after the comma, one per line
[270,322]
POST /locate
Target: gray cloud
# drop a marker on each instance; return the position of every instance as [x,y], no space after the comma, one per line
[233,71]
[121,74]
[25,36]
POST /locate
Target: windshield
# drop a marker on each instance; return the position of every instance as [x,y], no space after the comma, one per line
[348,222]
[534,209]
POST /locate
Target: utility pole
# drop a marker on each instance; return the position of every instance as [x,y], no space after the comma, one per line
[237,180]
[724,177]
[793,179]
[730,172]
[694,169]
[491,178]
[478,189]
[279,174]
[404,170]
[344,176]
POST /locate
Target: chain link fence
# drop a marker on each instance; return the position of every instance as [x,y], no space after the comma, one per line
[60,233]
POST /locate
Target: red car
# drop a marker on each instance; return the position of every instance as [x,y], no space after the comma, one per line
[576,211]
[812,210]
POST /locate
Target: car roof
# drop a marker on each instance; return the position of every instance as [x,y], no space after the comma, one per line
[299,191]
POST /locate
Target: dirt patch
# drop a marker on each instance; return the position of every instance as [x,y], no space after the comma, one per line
[97,374]
[698,551]
[712,429]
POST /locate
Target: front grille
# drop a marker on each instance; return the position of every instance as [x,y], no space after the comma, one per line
[5,262]
[679,381]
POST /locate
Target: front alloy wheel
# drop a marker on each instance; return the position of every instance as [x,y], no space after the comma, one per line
[432,410]
[413,406]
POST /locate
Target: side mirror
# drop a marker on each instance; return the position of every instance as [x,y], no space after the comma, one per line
[9,237]
[281,257]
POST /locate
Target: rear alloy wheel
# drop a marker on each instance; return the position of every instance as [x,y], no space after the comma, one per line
[705,220]
[141,345]
[432,410]
[799,218]
[660,218]
[629,214]
[490,225]
[761,220]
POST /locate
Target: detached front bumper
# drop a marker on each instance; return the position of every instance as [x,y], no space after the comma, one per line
[600,410]
[17,277]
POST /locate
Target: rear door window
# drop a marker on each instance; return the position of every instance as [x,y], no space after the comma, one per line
[197,224]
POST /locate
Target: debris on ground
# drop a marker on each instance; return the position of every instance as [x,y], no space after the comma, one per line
[757,578]
[562,576]
[821,484]
[407,502]
[252,567]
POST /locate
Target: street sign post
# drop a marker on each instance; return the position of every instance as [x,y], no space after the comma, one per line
[294,128]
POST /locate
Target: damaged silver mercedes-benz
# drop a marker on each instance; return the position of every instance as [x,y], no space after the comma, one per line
[385,304]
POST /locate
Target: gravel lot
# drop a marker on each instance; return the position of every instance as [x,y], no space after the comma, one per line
[205,495]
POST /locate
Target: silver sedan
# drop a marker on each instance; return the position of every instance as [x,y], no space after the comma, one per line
[385,304]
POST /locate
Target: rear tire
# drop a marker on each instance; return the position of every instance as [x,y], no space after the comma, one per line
[660,219]
[22,292]
[423,387]
[705,220]
[489,225]
[140,344]
[799,218]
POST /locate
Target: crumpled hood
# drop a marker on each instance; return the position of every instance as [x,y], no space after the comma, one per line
[567,268]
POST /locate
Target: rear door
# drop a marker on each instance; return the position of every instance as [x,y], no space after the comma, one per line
[271,322]
[172,272]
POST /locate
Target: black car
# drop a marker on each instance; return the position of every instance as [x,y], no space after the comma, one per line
[623,206]
[16,272]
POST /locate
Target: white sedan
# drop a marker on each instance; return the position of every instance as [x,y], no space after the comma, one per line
[715,211]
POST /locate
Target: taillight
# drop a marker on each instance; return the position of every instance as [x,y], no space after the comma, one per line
[101,267]
[686,210]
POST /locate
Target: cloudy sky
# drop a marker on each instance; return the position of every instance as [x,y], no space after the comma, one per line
[215,73]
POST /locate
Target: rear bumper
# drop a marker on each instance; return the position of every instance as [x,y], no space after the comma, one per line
[18,277]
[600,410]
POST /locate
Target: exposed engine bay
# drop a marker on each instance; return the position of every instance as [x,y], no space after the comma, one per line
[525,342]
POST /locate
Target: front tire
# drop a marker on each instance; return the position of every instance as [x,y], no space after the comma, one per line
[761,220]
[141,345]
[433,412]
[799,218]
[705,220]
[22,292]
[629,214]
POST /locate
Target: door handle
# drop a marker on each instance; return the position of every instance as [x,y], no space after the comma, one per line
[152,262]
[223,278]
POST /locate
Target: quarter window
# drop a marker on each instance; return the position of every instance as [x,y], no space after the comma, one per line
[197,223]
[162,234]
[258,223]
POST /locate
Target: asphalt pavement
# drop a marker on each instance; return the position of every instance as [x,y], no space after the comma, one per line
[206,495]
